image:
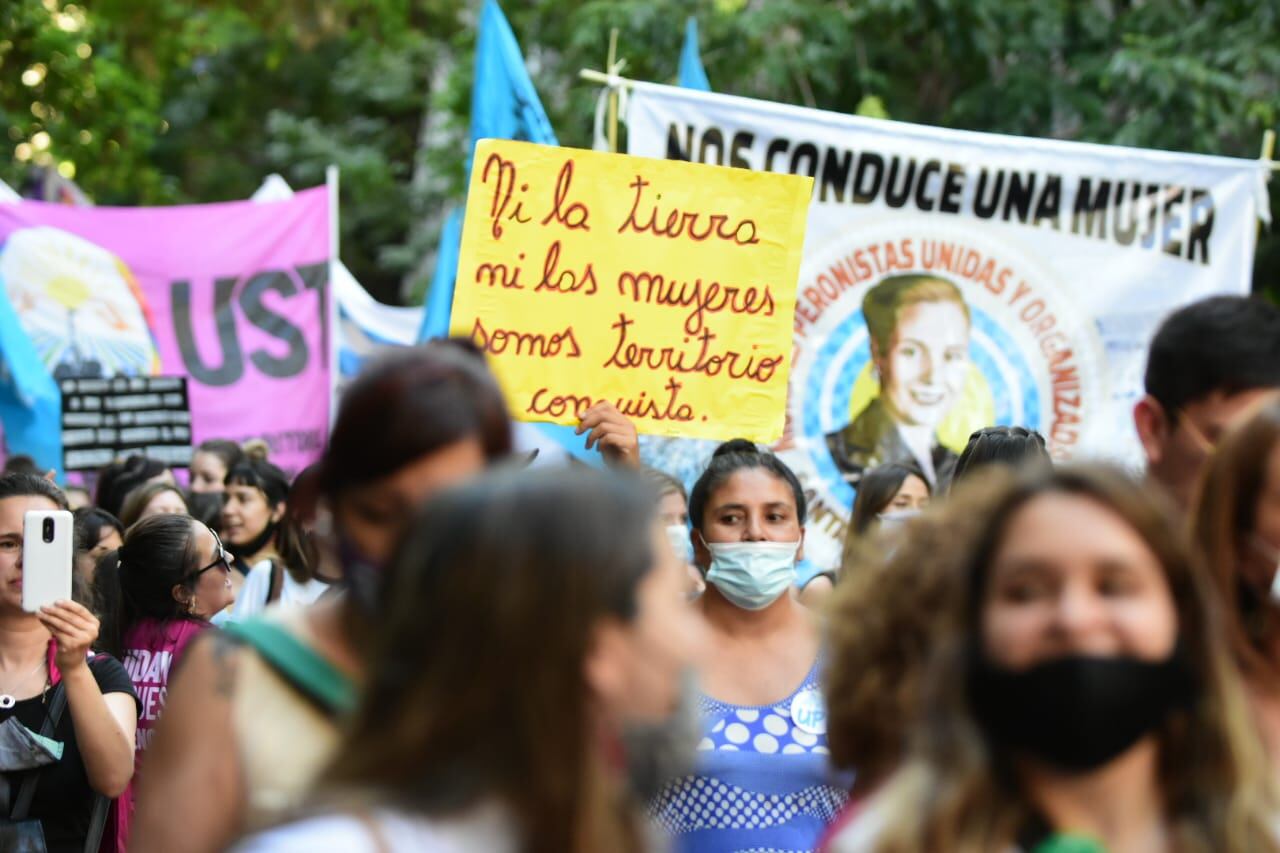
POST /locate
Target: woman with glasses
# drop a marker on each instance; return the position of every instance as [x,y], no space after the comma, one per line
[154,595]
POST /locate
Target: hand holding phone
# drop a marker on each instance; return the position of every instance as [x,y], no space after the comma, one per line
[75,629]
[47,553]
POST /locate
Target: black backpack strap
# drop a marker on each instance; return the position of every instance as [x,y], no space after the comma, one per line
[27,791]
[277,582]
[97,822]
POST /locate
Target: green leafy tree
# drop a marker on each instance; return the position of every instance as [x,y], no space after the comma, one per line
[152,101]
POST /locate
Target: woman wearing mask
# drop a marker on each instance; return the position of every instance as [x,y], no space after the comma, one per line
[584,565]
[891,493]
[242,742]
[1081,686]
[152,499]
[673,512]
[295,577]
[50,685]
[252,509]
[896,490]
[762,778]
[1237,526]
[211,463]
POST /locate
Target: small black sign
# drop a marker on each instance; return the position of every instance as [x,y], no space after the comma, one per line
[103,419]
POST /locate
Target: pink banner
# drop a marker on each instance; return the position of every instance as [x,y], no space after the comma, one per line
[233,296]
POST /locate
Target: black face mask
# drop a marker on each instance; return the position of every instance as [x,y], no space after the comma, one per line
[1076,713]
[248,549]
[361,575]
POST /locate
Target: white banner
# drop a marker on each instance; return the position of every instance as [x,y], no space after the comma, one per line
[953,280]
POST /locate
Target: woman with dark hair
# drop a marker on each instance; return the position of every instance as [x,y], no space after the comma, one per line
[1237,529]
[51,685]
[290,575]
[96,533]
[153,596]
[896,488]
[118,479]
[158,498]
[584,565]
[1012,446]
[254,504]
[1079,685]
[252,717]
[763,754]
[673,510]
[210,464]
[895,492]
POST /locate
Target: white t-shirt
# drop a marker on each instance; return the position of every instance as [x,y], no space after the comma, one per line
[252,599]
[485,829]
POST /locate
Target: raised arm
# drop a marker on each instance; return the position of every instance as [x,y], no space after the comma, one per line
[104,725]
[612,433]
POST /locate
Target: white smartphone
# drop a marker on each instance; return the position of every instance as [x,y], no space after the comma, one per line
[47,552]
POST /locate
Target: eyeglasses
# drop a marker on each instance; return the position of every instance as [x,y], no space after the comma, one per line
[221,560]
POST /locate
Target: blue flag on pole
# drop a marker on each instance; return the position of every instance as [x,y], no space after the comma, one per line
[504,105]
[30,401]
[692,74]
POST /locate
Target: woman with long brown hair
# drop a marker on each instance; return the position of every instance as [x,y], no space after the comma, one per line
[246,730]
[1237,528]
[1081,684]
[552,603]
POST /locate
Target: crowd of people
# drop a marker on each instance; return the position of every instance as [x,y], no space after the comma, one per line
[424,642]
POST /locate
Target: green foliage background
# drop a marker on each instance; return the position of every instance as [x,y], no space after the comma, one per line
[152,102]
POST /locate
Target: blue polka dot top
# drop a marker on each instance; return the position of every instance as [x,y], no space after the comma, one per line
[763,781]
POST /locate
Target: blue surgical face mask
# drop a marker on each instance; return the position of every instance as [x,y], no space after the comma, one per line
[897,518]
[678,535]
[752,575]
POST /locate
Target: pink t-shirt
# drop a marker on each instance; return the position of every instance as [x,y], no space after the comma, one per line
[151,648]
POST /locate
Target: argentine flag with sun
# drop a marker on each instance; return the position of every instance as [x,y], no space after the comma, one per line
[79,304]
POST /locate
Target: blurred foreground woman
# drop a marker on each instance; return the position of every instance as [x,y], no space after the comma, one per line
[528,621]
[1081,686]
[252,716]
[1237,524]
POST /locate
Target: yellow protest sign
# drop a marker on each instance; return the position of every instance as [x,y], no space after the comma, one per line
[666,288]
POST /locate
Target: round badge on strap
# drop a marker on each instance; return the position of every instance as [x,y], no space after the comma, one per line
[809,712]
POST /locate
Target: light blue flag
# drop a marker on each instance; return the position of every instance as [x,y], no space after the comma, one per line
[439,301]
[692,74]
[30,401]
[504,105]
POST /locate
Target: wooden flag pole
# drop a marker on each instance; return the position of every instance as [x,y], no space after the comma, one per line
[613,93]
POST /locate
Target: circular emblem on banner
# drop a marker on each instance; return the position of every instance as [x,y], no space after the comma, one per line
[908,339]
[78,303]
